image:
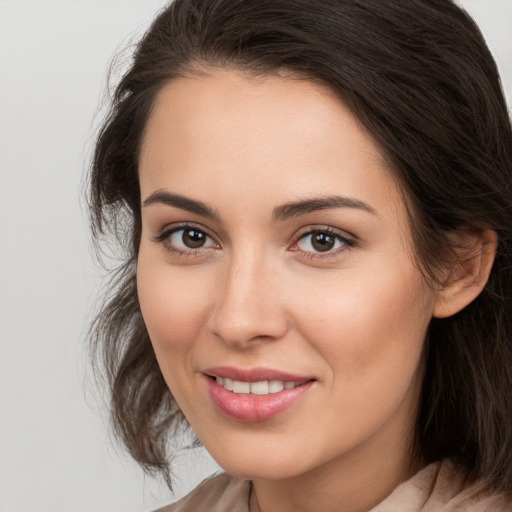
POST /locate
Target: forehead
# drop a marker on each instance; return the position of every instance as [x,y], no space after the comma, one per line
[283,137]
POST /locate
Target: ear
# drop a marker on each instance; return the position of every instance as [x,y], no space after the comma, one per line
[467,275]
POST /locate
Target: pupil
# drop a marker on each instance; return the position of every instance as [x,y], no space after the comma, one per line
[323,242]
[193,238]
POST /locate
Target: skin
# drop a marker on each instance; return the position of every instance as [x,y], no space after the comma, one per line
[258,294]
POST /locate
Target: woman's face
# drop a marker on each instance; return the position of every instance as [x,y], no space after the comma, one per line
[276,258]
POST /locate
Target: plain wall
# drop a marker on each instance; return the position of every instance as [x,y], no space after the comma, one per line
[55,452]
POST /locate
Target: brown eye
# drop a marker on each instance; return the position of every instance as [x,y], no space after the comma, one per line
[322,241]
[193,238]
[188,238]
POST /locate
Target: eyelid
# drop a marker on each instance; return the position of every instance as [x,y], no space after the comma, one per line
[314,228]
[348,240]
[171,228]
[166,232]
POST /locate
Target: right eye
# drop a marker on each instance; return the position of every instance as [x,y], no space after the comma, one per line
[186,239]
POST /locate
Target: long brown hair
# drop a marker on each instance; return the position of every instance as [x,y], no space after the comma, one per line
[419,76]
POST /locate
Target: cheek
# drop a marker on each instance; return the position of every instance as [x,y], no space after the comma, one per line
[372,337]
[173,308]
[370,325]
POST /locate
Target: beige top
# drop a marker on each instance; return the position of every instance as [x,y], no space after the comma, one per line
[440,487]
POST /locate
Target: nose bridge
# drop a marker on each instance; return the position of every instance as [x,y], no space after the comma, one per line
[248,306]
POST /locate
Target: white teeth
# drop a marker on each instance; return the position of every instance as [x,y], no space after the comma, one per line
[263,387]
[274,386]
[228,384]
[259,388]
[241,387]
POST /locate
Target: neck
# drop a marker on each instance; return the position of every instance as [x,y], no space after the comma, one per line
[354,482]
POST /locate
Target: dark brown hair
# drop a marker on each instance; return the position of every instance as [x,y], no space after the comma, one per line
[419,76]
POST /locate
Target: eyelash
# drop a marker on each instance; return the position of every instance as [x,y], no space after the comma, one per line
[164,238]
[346,243]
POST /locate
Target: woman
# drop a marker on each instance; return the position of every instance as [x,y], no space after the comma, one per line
[315,198]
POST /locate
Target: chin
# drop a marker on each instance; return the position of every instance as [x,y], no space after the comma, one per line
[262,461]
[265,469]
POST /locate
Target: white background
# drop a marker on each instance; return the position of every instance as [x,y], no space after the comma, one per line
[55,454]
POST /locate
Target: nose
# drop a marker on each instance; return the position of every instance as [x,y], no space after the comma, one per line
[249,306]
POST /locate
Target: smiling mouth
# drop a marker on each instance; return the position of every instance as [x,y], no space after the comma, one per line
[264,387]
[257,394]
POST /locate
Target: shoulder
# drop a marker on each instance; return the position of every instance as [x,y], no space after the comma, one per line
[219,493]
[455,491]
[444,487]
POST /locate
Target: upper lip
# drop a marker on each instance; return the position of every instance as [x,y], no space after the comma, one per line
[253,374]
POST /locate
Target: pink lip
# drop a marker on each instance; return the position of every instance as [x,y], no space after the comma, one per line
[253,374]
[254,408]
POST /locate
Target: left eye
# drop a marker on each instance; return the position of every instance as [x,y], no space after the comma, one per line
[189,238]
[320,241]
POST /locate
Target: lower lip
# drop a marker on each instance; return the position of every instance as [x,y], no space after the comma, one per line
[254,408]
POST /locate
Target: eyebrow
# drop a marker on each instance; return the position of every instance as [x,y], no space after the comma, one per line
[280,213]
[297,208]
[182,202]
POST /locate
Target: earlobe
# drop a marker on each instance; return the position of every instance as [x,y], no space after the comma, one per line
[467,276]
